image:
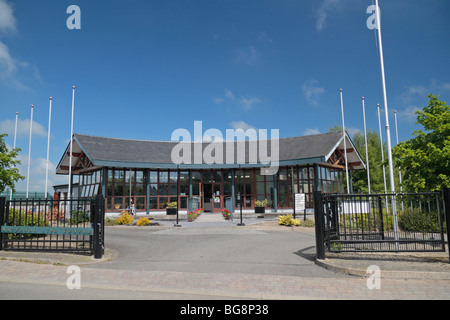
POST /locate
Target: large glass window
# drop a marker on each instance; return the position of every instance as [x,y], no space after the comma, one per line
[122,183]
[89,184]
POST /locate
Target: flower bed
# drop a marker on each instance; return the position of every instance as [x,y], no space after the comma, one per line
[194,214]
[226,214]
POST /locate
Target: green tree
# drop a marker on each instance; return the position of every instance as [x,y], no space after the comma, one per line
[9,174]
[375,163]
[425,159]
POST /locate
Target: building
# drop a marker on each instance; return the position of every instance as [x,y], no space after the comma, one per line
[144,172]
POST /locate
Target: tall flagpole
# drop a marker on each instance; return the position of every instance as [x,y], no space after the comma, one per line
[69,195]
[382,149]
[48,146]
[388,133]
[367,151]
[399,170]
[15,136]
[29,152]
[345,142]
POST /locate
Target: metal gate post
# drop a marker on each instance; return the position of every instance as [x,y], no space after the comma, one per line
[446,192]
[97,211]
[2,219]
[319,225]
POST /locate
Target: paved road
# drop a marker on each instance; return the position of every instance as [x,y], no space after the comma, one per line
[207,259]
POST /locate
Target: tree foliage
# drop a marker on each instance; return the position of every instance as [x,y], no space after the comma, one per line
[425,159]
[359,177]
[360,183]
[9,174]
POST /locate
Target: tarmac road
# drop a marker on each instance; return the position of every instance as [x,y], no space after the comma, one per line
[219,249]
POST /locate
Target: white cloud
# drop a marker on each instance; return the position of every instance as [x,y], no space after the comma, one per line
[408,114]
[263,37]
[23,128]
[241,125]
[312,91]
[7,20]
[38,169]
[419,92]
[322,13]
[10,66]
[245,103]
[249,56]
[310,132]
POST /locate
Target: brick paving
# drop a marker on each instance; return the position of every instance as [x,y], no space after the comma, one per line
[238,286]
[233,285]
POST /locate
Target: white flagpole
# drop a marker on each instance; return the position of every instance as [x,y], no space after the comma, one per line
[48,146]
[382,151]
[345,142]
[367,151]
[70,156]
[15,136]
[388,132]
[399,170]
[29,152]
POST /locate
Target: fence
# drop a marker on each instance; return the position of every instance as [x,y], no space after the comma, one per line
[74,225]
[409,222]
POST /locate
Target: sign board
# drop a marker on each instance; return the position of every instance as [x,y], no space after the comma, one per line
[300,201]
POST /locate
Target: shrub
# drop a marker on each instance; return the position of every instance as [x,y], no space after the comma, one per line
[308,223]
[57,214]
[172,205]
[124,218]
[24,218]
[419,221]
[144,221]
[287,220]
[110,222]
[259,203]
[79,217]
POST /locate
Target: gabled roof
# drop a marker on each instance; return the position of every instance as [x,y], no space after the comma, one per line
[92,152]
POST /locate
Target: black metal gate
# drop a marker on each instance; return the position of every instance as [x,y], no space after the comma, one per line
[74,225]
[407,222]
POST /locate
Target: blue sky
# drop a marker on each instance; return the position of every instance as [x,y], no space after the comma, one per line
[145,68]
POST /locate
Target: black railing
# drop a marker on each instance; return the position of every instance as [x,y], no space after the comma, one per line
[74,225]
[380,222]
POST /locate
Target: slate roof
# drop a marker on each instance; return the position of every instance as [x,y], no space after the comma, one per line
[113,152]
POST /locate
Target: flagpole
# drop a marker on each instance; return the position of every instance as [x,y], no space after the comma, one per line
[29,152]
[345,142]
[383,80]
[388,132]
[399,170]
[15,135]
[382,149]
[48,146]
[69,194]
[367,151]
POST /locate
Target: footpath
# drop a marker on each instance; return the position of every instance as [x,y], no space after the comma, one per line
[402,276]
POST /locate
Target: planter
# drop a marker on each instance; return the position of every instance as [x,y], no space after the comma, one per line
[171,211]
[260,209]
